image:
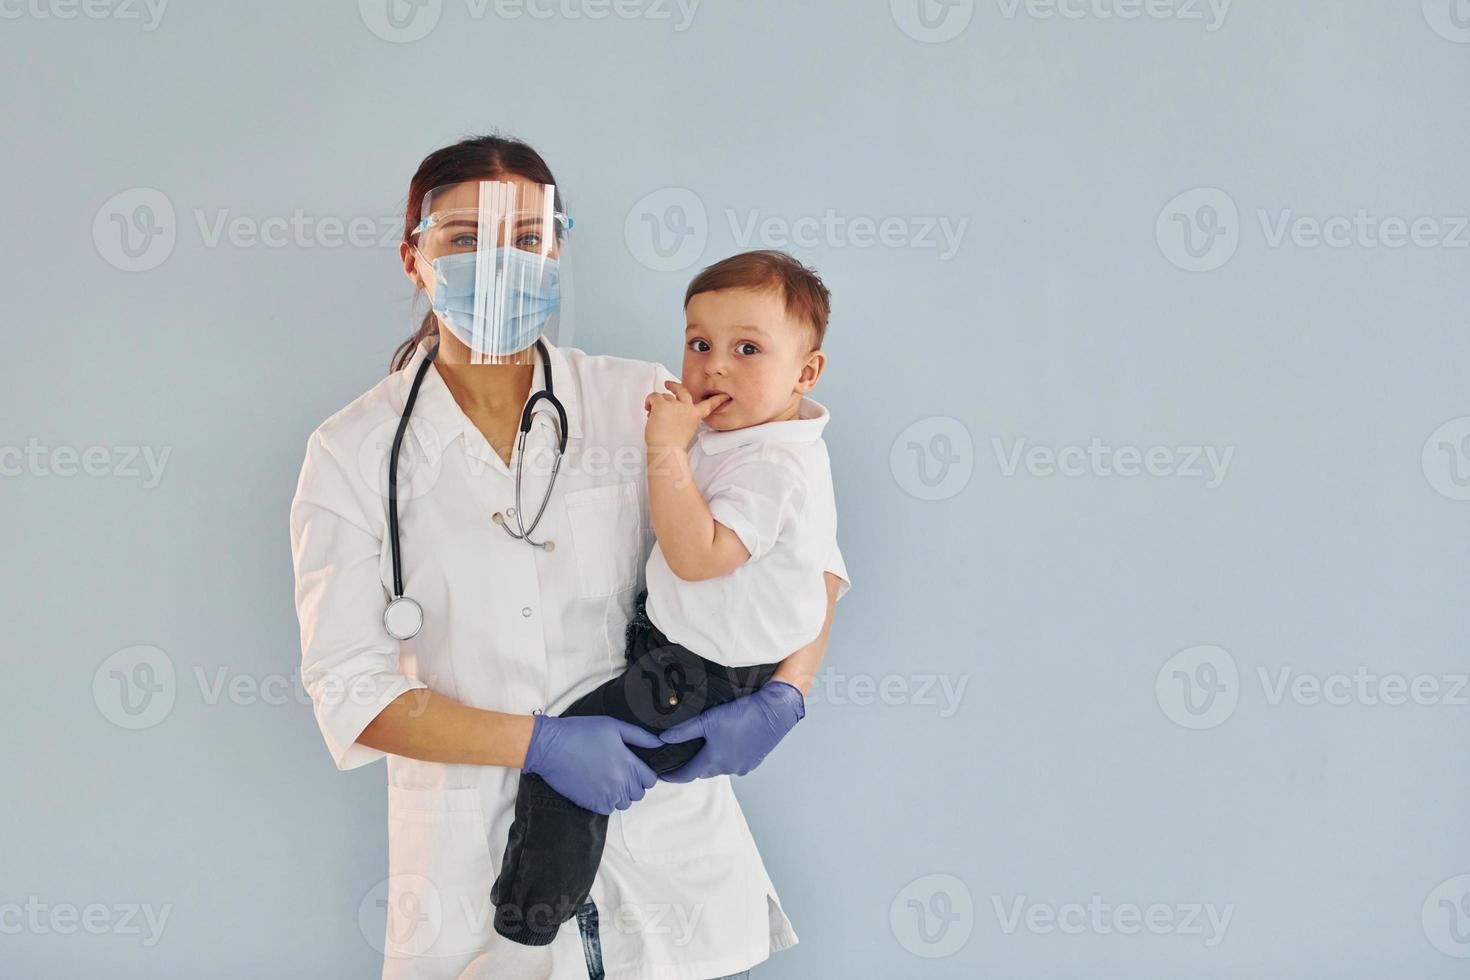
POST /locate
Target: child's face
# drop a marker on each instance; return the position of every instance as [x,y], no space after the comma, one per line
[743,343]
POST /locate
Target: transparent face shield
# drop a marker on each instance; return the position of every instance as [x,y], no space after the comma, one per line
[499,277]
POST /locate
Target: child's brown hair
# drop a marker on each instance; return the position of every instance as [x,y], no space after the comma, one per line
[802,290]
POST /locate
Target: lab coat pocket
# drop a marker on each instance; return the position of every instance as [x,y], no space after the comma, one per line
[607,533]
[679,821]
[439,873]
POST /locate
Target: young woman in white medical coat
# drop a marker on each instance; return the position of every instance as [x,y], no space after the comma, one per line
[509,631]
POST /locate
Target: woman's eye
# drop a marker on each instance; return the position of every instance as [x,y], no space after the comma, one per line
[748,349]
[465,241]
[529,243]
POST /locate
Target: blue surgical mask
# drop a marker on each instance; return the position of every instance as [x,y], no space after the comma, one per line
[531,288]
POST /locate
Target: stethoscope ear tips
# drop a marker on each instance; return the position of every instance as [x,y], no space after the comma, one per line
[546,546]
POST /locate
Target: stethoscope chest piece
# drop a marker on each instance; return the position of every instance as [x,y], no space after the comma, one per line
[403,618]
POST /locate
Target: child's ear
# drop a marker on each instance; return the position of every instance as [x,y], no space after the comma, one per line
[811,370]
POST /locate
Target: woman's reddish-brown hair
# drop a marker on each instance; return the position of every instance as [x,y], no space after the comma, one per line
[474,158]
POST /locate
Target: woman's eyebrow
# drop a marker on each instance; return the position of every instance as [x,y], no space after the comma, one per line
[474,223]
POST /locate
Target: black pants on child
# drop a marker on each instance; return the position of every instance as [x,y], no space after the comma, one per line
[555,846]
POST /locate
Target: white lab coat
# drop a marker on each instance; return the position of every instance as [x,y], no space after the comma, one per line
[682,893]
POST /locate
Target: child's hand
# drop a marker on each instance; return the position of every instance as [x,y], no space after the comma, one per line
[674,418]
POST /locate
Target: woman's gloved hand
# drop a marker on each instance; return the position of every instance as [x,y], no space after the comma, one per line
[739,734]
[586,759]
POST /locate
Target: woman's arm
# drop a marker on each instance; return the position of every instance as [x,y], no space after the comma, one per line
[587,760]
[367,707]
[800,669]
[420,724]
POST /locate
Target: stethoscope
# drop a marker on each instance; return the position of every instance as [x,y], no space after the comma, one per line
[404,617]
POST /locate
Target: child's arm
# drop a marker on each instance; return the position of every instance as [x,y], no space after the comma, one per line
[695,545]
[800,668]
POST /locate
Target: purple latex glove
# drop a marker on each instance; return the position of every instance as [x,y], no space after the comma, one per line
[586,759]
[738,734]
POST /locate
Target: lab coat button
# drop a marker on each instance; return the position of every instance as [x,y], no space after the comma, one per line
[526,611]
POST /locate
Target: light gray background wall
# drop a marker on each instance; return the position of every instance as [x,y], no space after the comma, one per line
[1130,661]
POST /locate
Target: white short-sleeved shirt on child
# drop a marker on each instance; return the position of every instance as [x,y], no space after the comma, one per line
[772,485]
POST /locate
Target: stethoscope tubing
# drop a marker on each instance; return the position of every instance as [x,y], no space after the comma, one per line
[413,395]
[522,533]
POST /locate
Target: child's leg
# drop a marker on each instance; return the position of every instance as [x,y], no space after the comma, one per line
[551,855]
[667,684]
[555,846]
